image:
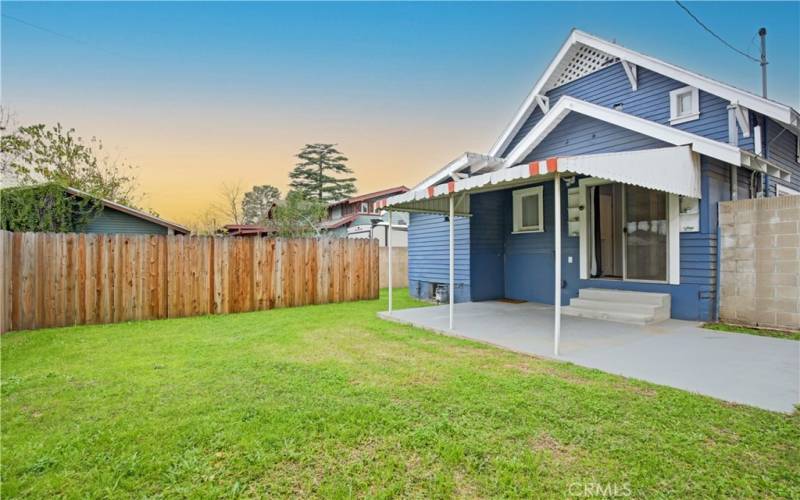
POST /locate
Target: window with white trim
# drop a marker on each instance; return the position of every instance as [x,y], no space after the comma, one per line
[364,207]
[684,105]
[528,210]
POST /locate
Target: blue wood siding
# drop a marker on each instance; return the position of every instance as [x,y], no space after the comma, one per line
[782,149]
[113,221]
[428,255]
[530,257]
[487,244]
[610,86]
[579,135]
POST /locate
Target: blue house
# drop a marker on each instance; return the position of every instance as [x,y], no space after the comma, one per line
[633,154]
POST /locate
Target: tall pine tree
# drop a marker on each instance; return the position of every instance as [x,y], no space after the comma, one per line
[316,174]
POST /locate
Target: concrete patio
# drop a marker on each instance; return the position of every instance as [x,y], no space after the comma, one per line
[758,371]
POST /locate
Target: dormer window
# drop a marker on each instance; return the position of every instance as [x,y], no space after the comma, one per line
[684,105]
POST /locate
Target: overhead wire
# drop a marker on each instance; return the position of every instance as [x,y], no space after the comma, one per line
[705,27]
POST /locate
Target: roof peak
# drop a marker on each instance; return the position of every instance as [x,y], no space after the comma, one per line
[583,53]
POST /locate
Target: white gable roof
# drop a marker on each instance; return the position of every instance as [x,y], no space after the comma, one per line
[583,53]
[467,163]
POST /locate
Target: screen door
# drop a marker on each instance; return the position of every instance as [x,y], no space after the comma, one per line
[645,234]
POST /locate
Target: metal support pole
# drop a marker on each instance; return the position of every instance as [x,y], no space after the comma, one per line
[557,300]
[451,288]
[389,271]
[763,34]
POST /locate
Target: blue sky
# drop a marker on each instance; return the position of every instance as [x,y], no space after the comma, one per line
[182,88]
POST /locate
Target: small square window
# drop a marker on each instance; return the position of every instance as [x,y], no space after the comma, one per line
[528,210]
[684,105]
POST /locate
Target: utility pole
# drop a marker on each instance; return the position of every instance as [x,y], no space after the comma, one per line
[763,34]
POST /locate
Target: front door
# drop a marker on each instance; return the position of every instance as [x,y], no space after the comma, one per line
[608,238]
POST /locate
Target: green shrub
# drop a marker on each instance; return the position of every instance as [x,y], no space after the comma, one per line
[45,208]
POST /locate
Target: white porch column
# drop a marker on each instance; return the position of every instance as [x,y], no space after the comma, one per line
[389,244]
[451,287]
[557,301]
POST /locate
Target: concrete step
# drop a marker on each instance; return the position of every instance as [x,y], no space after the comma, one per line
[605,305]
[608,315]
[625,296]
[641,308]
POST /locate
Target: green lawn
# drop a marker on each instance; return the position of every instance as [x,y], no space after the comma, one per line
[761,332]
[331,401]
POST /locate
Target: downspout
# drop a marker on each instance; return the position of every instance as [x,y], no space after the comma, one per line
[733,140]
[764,152]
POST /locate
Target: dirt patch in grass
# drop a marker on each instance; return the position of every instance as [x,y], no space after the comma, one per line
[527,367]
[568,376]
[560,452]
[722,436]
[464,486]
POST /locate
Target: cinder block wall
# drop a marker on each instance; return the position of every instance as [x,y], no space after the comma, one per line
[760,261]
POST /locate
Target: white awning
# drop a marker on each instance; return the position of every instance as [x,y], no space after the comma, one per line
[673,170]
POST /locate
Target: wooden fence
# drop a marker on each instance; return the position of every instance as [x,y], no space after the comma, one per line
[53,280]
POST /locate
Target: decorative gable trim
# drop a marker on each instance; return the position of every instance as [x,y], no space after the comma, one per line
[554,76]
[742,118]
[543,102]
[580,60]
[632,71]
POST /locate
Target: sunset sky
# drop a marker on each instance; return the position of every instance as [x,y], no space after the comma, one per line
[197,94]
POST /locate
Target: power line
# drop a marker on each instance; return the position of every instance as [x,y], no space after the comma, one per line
[46,30]
[714,34]
[62,35]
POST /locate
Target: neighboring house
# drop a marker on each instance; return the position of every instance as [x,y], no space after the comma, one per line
[361,217]
[116,218]
[267,228]
[249,230]
[641,150]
